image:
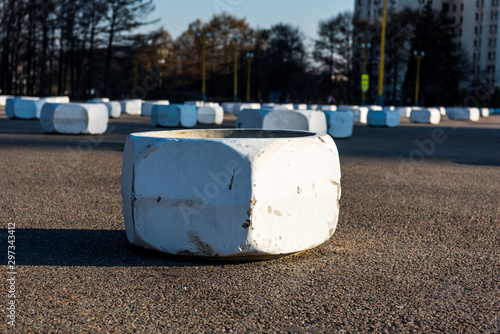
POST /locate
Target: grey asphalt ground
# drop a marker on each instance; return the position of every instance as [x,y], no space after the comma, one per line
[416,249]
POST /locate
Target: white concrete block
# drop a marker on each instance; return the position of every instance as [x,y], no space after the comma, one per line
[3,99]
[131,107]
[210,115]
[23,108]
[425,115]
[305,120]
[114,108]
[300,106]
[251,118]
[442,111]
[268,105]
[166,115]
[98,100]
[387,118]
[463,114]
[75,118]
[404,111]
[363,114]
[230,193]
[55,99]
[189,116]
[195,103]
[314,107]
[340,123]
[485,112]
[147,106]
[376,108]
[329,107]
[237,107]
[228,107]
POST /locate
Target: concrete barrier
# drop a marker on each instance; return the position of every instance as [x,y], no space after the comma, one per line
[442,111]
[210,115]
[377,117]
[23,108]
[427,115]
[174,115]
[237,107]
[147,106]
[3,99]
[485,112]
[251,118]
[328,107]
[114,108]
[340,123]
[228,107]
[74,118]
[98,100]
[131,107]
[300,106]
[305,120]
[463,114]
[166,115]
[405,111]
[257,194]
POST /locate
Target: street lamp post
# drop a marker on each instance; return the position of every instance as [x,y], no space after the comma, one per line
[366,47]
[236,38]
[419,55]
[249,60]
[380,96]
[161,63]
[203,66]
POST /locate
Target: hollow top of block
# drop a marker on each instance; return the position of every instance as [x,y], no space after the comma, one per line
[224,133]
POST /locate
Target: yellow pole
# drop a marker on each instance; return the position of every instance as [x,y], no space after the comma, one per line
[419,57]
[382,60]
[249,59]
[235,70]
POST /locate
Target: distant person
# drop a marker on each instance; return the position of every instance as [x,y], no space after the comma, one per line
[331,100]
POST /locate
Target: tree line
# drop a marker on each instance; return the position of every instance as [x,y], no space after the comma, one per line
[86,48]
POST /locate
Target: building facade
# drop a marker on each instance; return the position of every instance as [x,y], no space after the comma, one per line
[476,24]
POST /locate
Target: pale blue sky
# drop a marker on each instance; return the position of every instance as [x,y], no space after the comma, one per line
[175,15]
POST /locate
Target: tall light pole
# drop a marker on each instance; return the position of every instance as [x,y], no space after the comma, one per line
[366,47]
[249,60]
[419,55]
[203,65]
[235,39]
[380,96]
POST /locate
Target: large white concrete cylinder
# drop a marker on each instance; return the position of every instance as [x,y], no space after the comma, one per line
[230,193]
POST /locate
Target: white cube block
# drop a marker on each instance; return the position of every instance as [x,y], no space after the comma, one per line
[98,100]
[405,111]
[442,111]
[24,108]
[485,112]
[75,118]
[463,114]
[237,107]
[387,118]
[174,115]
[189,116]
[340,123]
[305,120]
[210,115]
[131,107]
[195,103]
[55,99]
[425,115]
[329,107]
[251,118]
[299,106]
[268,105]
[230,193]
[3,99]
[228,107]
[114,108]
[147,106]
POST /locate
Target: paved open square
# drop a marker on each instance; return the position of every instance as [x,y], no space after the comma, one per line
[416,249]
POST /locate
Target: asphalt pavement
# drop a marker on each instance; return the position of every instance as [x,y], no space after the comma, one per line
[416,249]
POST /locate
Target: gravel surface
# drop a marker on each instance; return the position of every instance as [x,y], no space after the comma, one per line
[416,249]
